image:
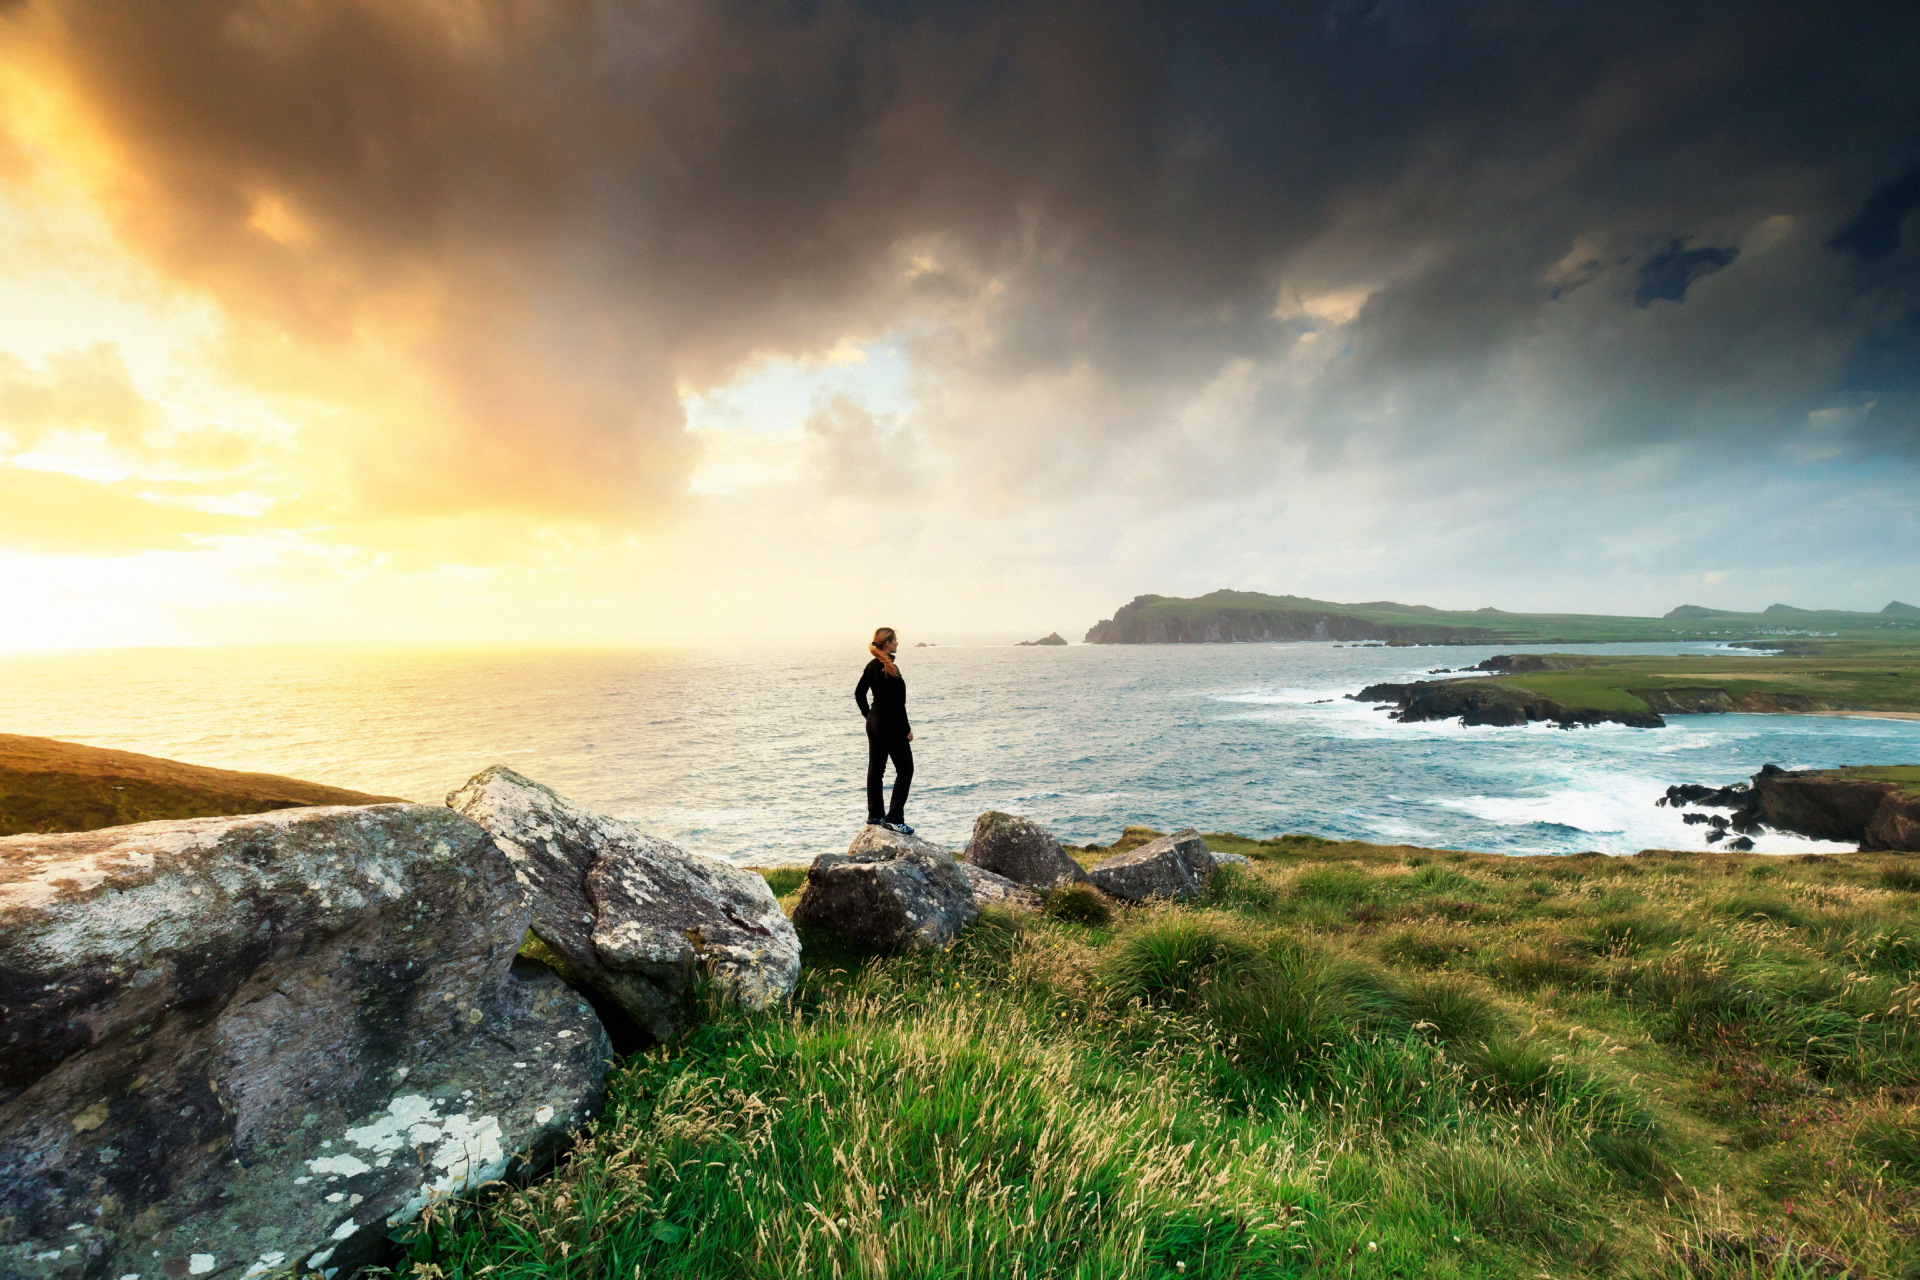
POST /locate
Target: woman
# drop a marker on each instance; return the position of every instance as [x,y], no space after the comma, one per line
[888,732]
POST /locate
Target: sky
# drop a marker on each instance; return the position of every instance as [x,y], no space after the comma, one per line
[437,322]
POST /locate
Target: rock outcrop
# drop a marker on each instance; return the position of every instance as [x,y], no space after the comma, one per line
[1877,813]
[990,890]
[234,1045]
[1021,850]
[890,891]
[1876,808]
[627,914]
[1178,866]
[1052,639]
[1486,702]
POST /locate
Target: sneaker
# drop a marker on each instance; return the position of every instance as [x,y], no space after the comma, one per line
[901,827]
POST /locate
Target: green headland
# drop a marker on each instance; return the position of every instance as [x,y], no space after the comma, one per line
[1227,616]
[1876,676]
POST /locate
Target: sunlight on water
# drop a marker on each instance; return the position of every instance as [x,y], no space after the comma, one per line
[759,756]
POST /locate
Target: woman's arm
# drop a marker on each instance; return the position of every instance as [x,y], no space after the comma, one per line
[860,691]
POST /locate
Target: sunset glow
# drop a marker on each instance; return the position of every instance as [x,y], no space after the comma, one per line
[414,322]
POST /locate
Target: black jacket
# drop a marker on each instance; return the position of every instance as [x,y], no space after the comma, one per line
[889,711]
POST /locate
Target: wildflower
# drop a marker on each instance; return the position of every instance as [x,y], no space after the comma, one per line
[1372,1247]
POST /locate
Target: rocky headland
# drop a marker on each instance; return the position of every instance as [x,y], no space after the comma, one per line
[1875,808]
[1482,702]
[1050,639]
[1227,617]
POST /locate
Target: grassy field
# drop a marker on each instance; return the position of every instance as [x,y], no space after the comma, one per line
[1351,1060]
[47,785]
[1865,677]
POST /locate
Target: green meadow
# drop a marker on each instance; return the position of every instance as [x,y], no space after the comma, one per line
[1349,1060]
[1880,677]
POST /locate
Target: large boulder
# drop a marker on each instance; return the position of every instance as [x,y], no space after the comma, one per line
[890,891]
[234,1045]
[627,914]
[1176,866]
[1023,851]
[990,890]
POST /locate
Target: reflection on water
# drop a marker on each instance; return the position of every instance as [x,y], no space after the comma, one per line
[758,755]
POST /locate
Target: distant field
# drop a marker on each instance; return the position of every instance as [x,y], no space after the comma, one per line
[1867,678]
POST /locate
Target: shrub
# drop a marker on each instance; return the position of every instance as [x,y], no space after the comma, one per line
[1455,1009]
[1170,960]
[1079,904]
[1904,876]
[1445,880]
[1524,966]
[1338,885]
[1236,886]
[1423,948]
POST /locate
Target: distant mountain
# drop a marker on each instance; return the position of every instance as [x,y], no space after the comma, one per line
[1831,617]
[1225,617]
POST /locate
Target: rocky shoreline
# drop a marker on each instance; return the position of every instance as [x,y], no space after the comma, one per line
[1479,702]
[1846,805]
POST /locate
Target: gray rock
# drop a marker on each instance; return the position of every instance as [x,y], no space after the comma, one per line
[1237,859]
[990,890]
[628,914]
[890,891]
[236,1044]
[1023,851]
[1176,866]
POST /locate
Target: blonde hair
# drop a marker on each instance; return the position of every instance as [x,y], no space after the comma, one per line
[880,636]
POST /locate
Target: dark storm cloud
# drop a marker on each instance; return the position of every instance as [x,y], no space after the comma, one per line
[1874,232]
[1667,274]
[614,201]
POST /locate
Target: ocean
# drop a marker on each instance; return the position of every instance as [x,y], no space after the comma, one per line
[757,754]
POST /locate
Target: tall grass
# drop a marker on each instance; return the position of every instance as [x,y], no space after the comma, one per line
[1345,1061]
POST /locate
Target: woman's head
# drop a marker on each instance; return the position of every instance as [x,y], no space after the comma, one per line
[886,638]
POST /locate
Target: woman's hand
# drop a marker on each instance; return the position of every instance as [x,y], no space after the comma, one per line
[909,735]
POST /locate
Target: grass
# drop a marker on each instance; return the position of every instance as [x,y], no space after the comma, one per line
[48,786]
[1837,675]
[1349,1060]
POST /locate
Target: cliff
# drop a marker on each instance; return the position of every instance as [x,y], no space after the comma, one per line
[49,786]
[1225,617]
[1877,808]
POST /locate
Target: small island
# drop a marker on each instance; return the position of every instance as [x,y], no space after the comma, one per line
[1055,638]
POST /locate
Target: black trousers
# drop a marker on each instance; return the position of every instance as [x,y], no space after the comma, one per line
[881,745]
